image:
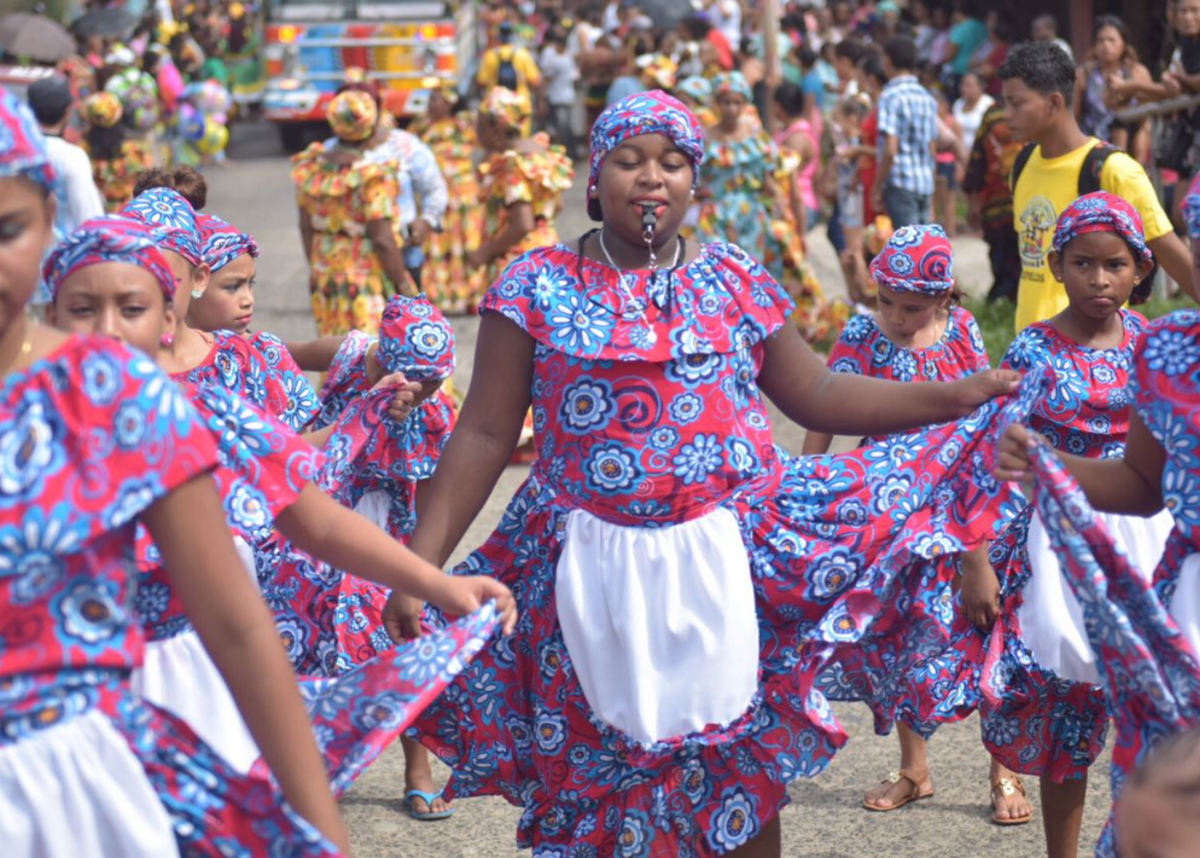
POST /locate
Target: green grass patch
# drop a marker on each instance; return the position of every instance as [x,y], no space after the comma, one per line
[996,320]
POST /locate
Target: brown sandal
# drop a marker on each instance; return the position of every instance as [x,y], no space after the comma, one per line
[895,778]
[1007,786]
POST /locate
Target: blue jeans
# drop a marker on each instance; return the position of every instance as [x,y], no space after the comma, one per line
[905,207]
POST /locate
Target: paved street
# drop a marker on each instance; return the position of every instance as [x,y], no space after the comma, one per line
[825,819]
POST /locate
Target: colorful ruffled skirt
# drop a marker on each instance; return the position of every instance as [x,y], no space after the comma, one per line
[630,713]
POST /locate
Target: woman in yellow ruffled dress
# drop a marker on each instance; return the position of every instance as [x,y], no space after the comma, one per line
[450,134]
[117,158]
[348,222]
[523,180]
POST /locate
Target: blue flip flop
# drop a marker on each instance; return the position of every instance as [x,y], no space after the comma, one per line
[429,798]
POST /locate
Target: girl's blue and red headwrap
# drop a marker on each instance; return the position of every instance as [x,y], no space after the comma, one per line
[221,242]
[652,112]
[109,239]
[1102,212]
[917,258]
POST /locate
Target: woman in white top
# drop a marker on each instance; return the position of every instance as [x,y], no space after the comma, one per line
[969,108]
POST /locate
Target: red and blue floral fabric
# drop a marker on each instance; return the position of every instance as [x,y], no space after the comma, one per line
[262,467]
[237,365]
[1034,721]
[647,413]
[903,669]
[370,452]
[1149,673]
[290,388]
[863,349]
[93,435]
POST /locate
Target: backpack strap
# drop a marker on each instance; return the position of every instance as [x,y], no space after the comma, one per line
[1019,164]
[1093,165]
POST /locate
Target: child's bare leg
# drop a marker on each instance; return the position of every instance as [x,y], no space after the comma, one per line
[1062,815]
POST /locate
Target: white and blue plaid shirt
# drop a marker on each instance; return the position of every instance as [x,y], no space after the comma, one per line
[908,112]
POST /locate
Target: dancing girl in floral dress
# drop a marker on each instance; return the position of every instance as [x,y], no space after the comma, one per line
[631,712]
[96,438]
[920,333]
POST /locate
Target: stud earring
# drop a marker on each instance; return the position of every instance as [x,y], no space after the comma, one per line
[197,294]
[166,340]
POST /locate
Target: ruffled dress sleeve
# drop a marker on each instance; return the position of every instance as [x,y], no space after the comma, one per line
[290,396]
[851,353]
[95,435]
[722,301]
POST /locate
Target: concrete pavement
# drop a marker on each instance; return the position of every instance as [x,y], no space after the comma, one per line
[825,818]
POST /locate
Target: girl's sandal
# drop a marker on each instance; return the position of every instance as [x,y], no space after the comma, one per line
[914,795]
[1008,787]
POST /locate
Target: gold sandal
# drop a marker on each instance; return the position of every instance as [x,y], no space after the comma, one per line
[1008,787]
[895,778]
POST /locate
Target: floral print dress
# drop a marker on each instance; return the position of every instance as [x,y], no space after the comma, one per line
[262,469]
[95,434]
[348,284]
[1037,716]
[445,277]
[537,178]
[650,425]
[1145,633]
[260,370]
[734,174]
[901,669]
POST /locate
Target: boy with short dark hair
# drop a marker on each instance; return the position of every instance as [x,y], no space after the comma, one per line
[1038,86]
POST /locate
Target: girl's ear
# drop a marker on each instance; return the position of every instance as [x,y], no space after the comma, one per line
[1144,267]
[1056,265]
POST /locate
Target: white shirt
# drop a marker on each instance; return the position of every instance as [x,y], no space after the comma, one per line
[612,17]
[969,120]
[81,198]
[559,73]
[727,17]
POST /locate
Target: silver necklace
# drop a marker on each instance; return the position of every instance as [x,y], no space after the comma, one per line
[633,304]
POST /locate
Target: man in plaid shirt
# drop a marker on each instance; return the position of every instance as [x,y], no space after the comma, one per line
[907,138]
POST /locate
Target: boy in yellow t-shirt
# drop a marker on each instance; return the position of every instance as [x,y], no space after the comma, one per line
[1038,85]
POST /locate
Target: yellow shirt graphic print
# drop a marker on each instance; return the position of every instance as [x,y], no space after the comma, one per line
[1047,186]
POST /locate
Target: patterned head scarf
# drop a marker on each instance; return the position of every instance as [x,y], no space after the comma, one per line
[1101,212]
[416,339]
[508,108]
[109,239]
[353,115]
[173,217]
[22,146]
[221,242]
[734,82]
[697,88]
[652,112]
[102,109]
[917,258]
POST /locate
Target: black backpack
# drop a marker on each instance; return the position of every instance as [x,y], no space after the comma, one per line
[1089,183]
[506,74]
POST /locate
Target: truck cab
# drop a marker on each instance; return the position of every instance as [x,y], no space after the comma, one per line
[309,44]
